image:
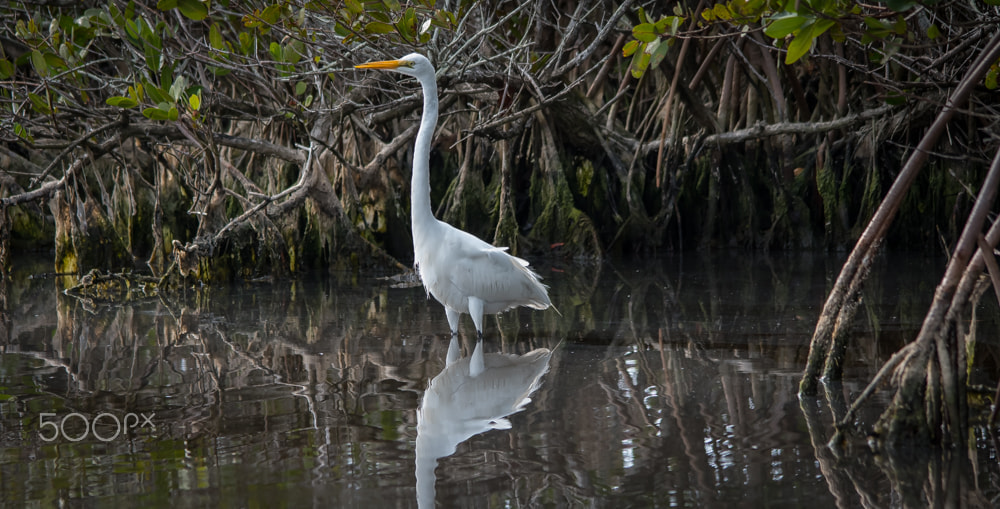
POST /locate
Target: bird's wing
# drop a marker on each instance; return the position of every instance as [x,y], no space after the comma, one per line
[502,281]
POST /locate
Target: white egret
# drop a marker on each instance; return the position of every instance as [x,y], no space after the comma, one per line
[461,271]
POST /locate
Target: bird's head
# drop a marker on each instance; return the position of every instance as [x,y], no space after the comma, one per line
[413,64]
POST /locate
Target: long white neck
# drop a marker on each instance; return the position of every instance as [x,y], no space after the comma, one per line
[420,183]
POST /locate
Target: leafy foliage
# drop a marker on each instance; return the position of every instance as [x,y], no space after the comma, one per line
[651,41]
[799,24]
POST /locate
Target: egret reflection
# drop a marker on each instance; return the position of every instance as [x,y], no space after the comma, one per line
[471,395]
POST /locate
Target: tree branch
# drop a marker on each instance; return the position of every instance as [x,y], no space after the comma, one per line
[761,131]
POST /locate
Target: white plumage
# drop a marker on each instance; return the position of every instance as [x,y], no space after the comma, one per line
[461,271]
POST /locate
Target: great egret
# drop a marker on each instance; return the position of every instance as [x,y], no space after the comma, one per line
[461,271]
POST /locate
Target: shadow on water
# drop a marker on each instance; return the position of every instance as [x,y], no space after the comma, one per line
[669,382]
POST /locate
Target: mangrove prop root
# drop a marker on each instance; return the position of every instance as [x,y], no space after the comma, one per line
[846,286]
[932,371]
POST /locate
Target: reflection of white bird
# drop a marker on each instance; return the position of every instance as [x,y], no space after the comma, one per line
[461,271]
[470,396]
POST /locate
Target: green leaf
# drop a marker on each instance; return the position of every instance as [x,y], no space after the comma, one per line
[292,52]
[354,7]
[195,102]
[6,69]
[803,40]
[797,49]
[116,14]
[407,25]
[246,42]
[630,48]
[656,56]
[155,93]
[54,61]
[215,37]
[877,27]
[645,32]
[661,26]
[162,111]
[821,26]
[271,14]
[166,74]
[991,77]
[155,114]
[193,9]
[149,35]
[640,62]
[23,133]
[152,57]
[122,102]
[933,32]
[783,24]
[132,29]
[722,12]
[177,88]
[38,62]
[300,88]
[166,5]
[137,92]
[40,104]
[378,27]
[900,25]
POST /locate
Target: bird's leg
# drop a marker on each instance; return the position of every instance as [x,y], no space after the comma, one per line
[477,363]
[453,317]
[476,311]
[453,350]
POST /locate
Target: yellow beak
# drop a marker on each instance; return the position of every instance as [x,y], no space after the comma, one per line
[385,64]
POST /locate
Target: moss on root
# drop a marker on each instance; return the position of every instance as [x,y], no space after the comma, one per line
[85,238]
[558,222]
[30,228]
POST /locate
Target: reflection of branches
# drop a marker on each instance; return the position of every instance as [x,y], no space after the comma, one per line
[301,390]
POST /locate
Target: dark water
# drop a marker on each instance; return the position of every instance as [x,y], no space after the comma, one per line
[666,383]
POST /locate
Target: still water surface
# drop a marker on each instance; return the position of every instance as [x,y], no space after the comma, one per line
[665,383]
